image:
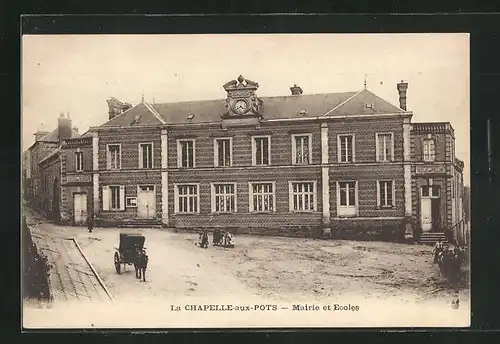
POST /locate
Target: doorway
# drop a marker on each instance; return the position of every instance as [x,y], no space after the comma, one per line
[146,202]
[80,209]
[430,208]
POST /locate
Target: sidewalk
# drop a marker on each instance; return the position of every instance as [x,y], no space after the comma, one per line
[71,276]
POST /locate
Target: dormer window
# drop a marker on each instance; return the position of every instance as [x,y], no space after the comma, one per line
[137,119]
[369,105]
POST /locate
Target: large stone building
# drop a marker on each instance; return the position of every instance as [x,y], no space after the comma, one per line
[340,163]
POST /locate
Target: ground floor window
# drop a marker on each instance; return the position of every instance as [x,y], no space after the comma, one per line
[113,197]
[187,198]
[262,197]
[224,198]
[347,200]
[302,196]
[386,193]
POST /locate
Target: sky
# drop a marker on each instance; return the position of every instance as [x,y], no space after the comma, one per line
[78,73]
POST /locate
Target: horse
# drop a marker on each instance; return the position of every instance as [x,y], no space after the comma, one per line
[141,264]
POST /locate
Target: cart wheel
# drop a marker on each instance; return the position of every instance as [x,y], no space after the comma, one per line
[117,263]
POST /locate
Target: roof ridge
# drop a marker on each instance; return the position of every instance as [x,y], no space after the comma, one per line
[264,97]
[124,112]
[385,100]
[155,113]
[342,103]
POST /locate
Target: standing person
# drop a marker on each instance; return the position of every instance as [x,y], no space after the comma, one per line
[90,221]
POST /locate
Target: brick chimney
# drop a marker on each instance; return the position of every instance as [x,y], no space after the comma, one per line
[64,127]
[402,88]
[39,134]
[116,107]
[296,90]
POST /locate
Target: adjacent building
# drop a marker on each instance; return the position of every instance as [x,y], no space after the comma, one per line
[338,163]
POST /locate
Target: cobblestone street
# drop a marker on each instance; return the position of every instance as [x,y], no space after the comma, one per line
[71,277]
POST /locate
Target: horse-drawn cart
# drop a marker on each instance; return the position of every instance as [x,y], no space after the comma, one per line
[131,244]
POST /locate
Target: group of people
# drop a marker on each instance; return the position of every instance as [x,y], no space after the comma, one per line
[449,258]
[224,239]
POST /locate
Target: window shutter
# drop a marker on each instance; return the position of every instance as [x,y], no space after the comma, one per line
[140,156]
[122,197]
[393,193]
[338,148]
[392,146]
[176,199]
[353,148]
[294,150]
[377,148]
[212,197]
[105,198]
[290,196]
[378,193]
[254,152]
[108,159]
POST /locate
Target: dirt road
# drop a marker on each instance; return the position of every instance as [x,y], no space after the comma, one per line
[266,270]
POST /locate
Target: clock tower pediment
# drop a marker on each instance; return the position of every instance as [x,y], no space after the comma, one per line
[242,100]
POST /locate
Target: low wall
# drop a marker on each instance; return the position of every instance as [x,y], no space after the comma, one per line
[355,229]
[373,229]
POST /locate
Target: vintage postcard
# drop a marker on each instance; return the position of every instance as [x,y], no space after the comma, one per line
[242,181]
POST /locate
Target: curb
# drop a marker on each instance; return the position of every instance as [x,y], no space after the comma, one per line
[93,270]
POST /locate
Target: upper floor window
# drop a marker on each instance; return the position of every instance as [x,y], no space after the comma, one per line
[223,152]
[429,150]
[385,193]
[145,155]
[345,147]
[262,197]
[302,196]
[187,198]
[79,161]
[261,150]
[185,153]
[385,147]
[114,157]
[301,149]
[223,198]
[430,191]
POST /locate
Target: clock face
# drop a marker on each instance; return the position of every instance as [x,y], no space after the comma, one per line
[240,106]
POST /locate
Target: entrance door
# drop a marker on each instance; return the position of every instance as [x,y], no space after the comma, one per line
[436,215]
[146,202]
[426,214]
[80,209]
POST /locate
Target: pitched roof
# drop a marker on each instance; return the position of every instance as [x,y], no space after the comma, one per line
[53,153]
[357,105]
[53,136]
[141,111]
[281,107]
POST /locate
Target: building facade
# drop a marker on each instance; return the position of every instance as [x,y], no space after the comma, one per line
[321,164]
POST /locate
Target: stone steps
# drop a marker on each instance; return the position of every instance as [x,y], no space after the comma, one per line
[432,238]
[130,223]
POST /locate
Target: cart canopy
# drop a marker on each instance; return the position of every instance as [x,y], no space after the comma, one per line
[131,241]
